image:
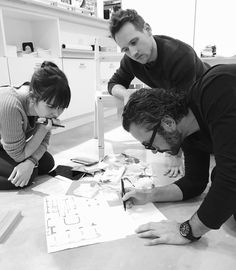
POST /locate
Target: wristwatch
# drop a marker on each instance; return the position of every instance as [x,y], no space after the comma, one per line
[186,231]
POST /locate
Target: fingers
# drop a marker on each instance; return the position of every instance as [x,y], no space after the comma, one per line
[16,180]
[147,234]
[172,172]
[129,204]
[145,227]
[156,241]
[12,175]
[181,170]
[129,194]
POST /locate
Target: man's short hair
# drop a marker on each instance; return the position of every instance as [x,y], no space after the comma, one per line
[119,18]
[147,107]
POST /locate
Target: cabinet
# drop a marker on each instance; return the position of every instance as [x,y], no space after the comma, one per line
[21,69]
[79,73]
[48,27]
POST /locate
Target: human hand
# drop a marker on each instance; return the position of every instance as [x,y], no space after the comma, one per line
[136,196]
[21,174]
[163,232]
[175,166]
[49,123]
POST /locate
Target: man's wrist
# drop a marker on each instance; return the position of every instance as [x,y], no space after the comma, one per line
[186,231]
[34,161]
[198,228]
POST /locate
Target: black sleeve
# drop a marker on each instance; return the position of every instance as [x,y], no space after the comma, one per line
[220,202]
[122,76]
[196,177]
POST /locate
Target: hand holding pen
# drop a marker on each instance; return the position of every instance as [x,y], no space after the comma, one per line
[45,121]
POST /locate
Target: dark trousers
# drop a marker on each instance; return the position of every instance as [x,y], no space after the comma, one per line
[7,164]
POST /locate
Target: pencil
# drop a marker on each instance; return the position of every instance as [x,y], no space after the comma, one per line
[123,192]
[56,125]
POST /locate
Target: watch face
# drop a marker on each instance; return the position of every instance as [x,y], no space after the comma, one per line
[184,229]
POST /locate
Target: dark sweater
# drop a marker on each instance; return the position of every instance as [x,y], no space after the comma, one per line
[213,102]
[177,66]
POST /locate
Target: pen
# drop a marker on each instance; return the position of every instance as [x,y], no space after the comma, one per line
[123,192]
[54,125]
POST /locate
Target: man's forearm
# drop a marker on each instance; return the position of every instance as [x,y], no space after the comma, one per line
[198,228]
[168,193]
[119,91]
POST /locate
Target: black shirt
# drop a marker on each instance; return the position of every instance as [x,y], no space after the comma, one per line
[177,66]
[213,102]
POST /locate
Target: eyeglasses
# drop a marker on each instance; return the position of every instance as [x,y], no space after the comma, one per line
[149,145]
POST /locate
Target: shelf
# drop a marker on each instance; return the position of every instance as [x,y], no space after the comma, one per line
[99,26]
[73,53]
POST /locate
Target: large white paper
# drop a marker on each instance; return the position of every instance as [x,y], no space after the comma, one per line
[91,221]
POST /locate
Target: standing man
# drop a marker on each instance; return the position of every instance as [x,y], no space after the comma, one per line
[201,122]
[158,61]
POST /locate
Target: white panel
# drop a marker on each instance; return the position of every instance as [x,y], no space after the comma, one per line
[167,17]
[4,78]
[81,76]
[21,69]
[2,36]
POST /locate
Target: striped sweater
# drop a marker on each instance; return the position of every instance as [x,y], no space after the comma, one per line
[15,128]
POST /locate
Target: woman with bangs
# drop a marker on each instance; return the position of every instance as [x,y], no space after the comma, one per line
[27,116]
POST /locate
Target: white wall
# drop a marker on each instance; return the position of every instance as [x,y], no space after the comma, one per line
[167,17]
[216,23]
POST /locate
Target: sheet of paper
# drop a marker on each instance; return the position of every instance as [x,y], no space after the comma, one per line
[57,185]
[141,214]
[128,221]
[91,220]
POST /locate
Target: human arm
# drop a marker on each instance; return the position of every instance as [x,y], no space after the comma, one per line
[219,203]
[166,193]
[168,231]
[192,184]
[18,139]
[37,144]
[121,79]
[122,93]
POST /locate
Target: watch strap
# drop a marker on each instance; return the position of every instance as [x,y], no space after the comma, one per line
[186,231]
